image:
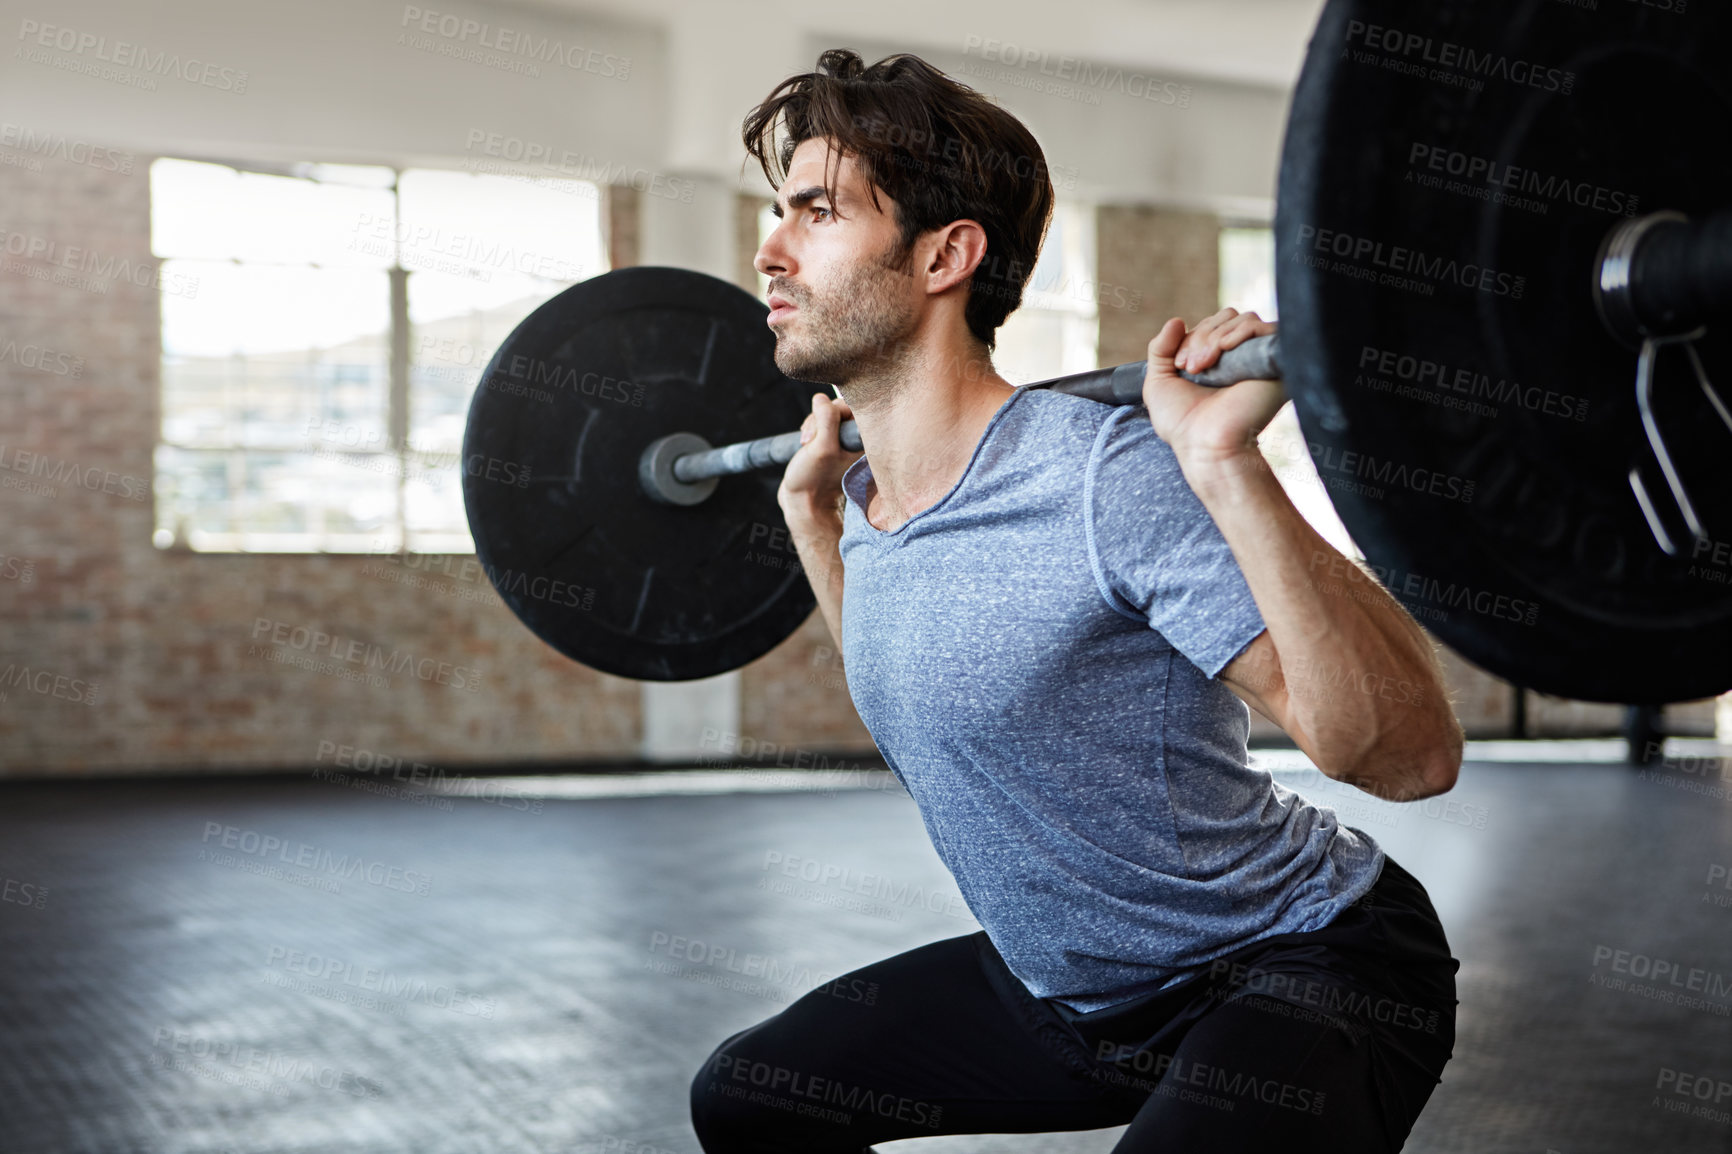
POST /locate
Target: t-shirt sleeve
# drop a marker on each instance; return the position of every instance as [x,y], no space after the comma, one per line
[1157,554]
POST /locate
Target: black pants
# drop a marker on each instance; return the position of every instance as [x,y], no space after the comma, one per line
[1330,1040]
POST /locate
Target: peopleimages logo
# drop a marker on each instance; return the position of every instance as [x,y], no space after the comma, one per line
[57,146]
[1511,181]
[371,979]
[511,43]
[314,642]
[42,359]
[1332,460]
[127,55]
[49,684]
[1426,57]
[1074,70]
[1170,1070]
[1401,263]
[101,268]
[1412,587]
[1442,377]
[563,164]
[433,246]
[348,867]
[250,1067]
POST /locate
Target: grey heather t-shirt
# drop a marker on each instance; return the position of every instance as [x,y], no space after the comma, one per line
[1035,657]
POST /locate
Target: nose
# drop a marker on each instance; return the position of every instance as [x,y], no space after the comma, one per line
[773,259]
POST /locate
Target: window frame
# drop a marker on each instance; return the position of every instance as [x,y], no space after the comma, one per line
[405,457]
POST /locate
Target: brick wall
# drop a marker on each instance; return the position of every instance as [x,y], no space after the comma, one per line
[118,656]
[1172,258]
[624,220]
[746,210]
[168,638]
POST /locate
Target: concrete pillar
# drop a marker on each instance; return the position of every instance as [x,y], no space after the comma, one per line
[746,210]
[623,226]
[696,235]
[1723,719]
[1171,257]
[684,721]
[708,94]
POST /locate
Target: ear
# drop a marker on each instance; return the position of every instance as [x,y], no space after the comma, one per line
[953,254]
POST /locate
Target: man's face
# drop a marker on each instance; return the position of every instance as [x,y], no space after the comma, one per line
[842,295]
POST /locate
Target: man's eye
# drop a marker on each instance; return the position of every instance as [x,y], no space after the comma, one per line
[816,210]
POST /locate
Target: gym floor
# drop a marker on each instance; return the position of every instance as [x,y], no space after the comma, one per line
[206,966]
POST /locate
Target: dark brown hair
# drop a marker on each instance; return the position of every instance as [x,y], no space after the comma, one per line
[939,149]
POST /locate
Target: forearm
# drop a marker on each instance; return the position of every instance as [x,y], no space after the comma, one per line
[1363,692]
[817,535]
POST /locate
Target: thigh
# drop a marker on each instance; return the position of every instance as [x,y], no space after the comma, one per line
[1257,1074]
[922,1043]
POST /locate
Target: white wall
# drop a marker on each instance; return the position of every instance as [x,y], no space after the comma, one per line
[336,80]
[1216,146]
[330,80]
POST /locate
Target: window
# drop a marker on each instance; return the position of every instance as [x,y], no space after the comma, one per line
[1055,330]
[1247,262]
[323,327]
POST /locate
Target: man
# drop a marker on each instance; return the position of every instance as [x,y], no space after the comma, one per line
[1053,614]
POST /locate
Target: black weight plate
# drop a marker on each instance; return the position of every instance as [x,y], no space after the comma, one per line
[595,568]
[1475,431]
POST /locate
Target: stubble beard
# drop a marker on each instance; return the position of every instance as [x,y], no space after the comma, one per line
[853,336]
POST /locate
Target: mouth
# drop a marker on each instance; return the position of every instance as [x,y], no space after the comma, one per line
[780,310]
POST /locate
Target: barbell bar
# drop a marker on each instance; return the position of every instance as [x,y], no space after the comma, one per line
[681,468]
[1658,278]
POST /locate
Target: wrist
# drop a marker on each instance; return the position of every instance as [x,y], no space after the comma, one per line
[1222,470]
[809,514]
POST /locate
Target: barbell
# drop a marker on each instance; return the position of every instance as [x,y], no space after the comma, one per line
[1502,254]
[682,468]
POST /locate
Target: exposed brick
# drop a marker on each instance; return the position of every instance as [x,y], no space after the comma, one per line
[165,636]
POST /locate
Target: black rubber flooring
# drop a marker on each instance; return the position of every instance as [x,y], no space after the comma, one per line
[291,965]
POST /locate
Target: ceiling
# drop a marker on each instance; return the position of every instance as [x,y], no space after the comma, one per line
[1257,42]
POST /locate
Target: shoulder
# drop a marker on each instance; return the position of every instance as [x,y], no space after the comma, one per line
[1109,433]
[1128,462]
[1045,422]
[1113,450]
[1134,491]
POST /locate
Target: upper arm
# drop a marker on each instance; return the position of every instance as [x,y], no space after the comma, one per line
[1156,552]
[1255,676]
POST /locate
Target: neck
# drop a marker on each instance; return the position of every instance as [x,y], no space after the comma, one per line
[921,417]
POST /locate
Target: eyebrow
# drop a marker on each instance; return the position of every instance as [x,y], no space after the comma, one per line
[799,200]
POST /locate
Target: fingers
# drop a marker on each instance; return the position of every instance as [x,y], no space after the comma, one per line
[825,424]
[1167,342]
[821,453]
[809,426]
[827,413]
[1198,350]
[1216,321]
[1227,329]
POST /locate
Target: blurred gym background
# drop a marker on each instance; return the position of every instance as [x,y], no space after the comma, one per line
[253,258]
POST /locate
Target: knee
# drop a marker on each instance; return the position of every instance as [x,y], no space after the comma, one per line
[722,1121]
[708,1105]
